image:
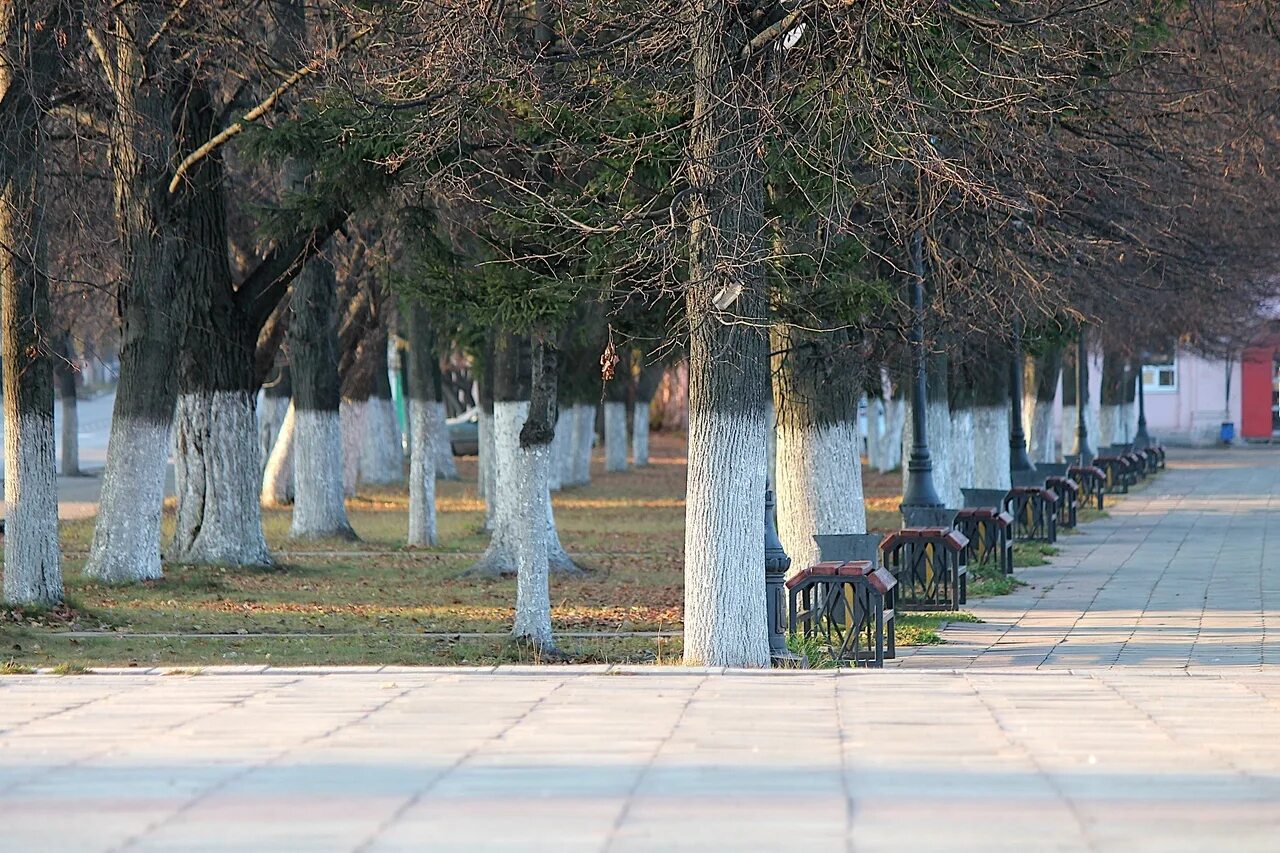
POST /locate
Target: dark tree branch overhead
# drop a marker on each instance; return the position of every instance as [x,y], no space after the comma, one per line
[267,284]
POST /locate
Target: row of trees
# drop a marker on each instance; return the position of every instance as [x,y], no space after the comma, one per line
[549,185]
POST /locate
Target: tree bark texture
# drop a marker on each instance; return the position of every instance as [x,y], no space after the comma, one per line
[273,406]
[509,494]
[30,61]
[1111,424]
[725,618]
[277,475]
[816,388]
[424,396]
[1047,371]
[146,142]
[532,513]
[217,462]
[319,509]
[381,446]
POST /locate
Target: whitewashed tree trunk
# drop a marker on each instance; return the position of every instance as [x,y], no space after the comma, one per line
[560,447]
[272,412]
[724,532]
[446,467]
[219,515]
[528,513]
[896,415]
[640,434]
[277,478]
[615,436]
[875,433]
[488,480]
[962,464]
[511,494]
[990,447]
[1043,446]
[319,510]
[32,558]
[819,477]
[584,437]
[381,450]
[423,458]
[352,421]
[1109,426]
[126,538]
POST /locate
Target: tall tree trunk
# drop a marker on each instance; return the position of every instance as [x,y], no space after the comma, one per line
[1048,371]
[584,438]
[819,473]
[319,510]
[487,481]
[381,450]
[561,449]
[959,460]
[273,406]
[615,415]
[1110,412]
[510,496]
[424,396]
[991,427]
[217,462]
[277,476]
[143,149]
[29,64]
[66,374]
[725,614]
[646,387]
[531,463]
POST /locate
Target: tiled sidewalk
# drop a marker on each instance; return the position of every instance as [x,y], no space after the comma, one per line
[1152,723]
[1185,573]
[560,760]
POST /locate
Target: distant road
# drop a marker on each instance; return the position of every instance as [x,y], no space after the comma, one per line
[78,496]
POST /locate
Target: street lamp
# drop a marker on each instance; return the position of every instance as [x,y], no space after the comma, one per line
[776,564]
[1082,392]
[920,492]
[1018,459]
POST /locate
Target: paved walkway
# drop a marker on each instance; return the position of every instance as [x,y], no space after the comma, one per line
[1058,725]
[1185,573]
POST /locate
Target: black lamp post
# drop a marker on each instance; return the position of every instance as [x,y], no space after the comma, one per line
[1018,459]
[920,491]
[1082,392]
[1142,440]
[776,564]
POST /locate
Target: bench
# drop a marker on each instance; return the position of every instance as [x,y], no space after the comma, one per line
[1035,513]
[929,565]
[1068,492]
[990,534]
[1092,481]
[1119,473]
[845,603]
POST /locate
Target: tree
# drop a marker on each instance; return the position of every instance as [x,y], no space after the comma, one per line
[33,34]
[424,396]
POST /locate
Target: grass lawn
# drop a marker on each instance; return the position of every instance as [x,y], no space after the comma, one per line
[376,601]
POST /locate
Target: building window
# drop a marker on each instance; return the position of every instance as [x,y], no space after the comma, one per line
[1160,374]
